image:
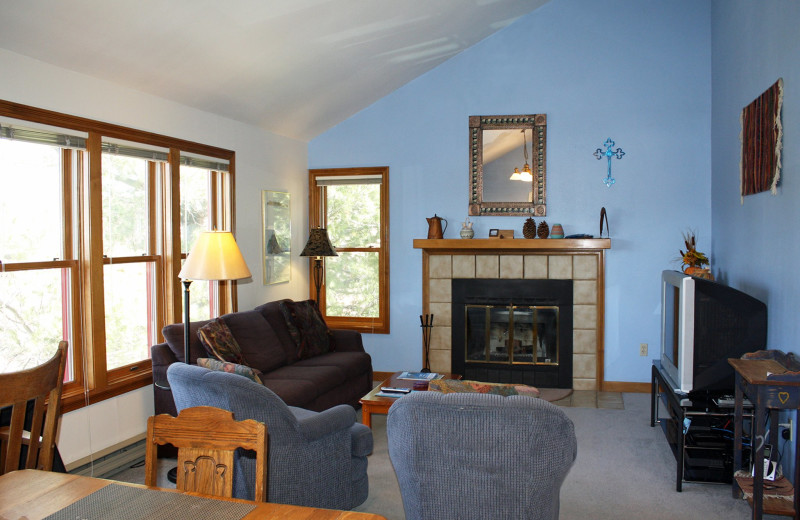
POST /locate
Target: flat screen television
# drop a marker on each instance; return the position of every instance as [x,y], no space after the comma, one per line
[703,323]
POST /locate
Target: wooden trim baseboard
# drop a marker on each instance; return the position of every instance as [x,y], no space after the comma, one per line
[624,386]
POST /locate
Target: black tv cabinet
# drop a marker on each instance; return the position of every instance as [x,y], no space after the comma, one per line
[699,430]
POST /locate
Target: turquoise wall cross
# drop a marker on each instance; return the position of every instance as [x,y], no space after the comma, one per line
[609,153]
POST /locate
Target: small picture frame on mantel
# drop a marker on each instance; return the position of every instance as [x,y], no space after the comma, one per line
[501,233]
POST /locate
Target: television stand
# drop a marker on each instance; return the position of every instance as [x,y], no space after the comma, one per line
[699,429]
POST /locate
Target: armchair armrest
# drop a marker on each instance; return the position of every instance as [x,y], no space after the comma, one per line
[316,425]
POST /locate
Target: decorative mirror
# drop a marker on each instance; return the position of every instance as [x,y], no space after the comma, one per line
[276,237]
[508,168]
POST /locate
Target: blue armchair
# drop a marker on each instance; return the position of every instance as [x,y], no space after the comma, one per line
[316,459]
[478,456]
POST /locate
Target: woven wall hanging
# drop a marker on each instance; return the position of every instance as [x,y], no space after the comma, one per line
[761,137]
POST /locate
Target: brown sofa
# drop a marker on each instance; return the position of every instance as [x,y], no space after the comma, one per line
[317,383]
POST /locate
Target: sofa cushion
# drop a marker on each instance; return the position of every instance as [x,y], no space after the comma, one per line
[232,368]
[257,339]
[353,364]
[322,379]
[307,328]
[219,342]
[173,335]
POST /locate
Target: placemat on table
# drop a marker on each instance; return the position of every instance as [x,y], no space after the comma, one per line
[132,503]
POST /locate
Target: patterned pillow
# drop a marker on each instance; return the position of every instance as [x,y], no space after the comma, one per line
[232,368]
[307,328]
[218,341]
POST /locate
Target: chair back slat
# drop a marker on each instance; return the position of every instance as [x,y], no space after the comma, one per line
[41,385]
[206,438]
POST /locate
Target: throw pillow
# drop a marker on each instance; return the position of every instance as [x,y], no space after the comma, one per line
[218,341]
[232,368]
[307,328]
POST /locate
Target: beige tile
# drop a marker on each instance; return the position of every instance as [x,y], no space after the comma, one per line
[440,338]
[535,267]
[584,366]
[584,316]
[584,398]
[584,384]
[440,361]
[464,266]
[511,267]
[585,267]
[487,266]
[559,267]
[441,290]
[584,341]
[610,400]
[442,314]
[440,266]
[584,292]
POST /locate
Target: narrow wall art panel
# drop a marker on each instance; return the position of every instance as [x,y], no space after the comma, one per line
[761,138]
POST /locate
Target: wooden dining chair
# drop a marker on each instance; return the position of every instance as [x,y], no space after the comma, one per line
[41,386]
[206,438]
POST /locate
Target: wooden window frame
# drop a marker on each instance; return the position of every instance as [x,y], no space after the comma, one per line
[318,218]
[92,381]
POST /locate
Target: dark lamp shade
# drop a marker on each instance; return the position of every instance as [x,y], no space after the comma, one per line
[319,244]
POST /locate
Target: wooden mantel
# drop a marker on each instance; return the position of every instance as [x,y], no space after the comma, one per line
[564,245]
[582,260]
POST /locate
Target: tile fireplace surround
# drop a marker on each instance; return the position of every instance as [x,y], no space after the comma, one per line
[579,260]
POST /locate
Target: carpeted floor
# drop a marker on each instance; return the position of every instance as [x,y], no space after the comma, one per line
[624,469]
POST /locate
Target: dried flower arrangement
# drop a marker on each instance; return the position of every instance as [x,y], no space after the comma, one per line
[692,258]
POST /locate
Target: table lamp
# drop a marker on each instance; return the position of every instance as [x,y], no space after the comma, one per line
[318,245]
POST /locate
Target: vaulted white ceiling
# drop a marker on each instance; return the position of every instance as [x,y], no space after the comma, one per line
[293,67]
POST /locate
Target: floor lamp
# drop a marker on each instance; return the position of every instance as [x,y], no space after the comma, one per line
[215,256]
[318,245]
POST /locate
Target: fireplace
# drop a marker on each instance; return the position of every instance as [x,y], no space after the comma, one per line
[513,331]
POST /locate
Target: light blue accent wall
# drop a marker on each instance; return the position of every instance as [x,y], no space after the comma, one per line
[635,71]
[756,243]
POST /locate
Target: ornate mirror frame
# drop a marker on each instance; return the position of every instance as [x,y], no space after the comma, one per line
[536,205]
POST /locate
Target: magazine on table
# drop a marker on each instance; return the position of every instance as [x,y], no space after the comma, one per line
[420,376]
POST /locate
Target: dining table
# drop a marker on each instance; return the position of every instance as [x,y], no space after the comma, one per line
[34,494]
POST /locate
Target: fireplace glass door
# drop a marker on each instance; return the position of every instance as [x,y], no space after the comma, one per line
[511,334]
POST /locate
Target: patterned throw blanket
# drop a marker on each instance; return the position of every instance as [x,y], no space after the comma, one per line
[449,386]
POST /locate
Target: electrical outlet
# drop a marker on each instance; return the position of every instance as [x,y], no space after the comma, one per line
[642,349]
[788,427]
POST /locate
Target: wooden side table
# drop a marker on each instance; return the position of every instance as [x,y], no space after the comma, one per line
[760,381]
[373,403]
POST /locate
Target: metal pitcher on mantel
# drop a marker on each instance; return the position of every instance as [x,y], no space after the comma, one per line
[435,227]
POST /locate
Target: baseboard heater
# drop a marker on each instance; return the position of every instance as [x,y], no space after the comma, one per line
[113,463]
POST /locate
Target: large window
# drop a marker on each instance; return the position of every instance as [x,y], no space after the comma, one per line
[96,222]
[353,204]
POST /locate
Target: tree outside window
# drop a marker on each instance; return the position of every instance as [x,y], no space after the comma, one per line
[352,203]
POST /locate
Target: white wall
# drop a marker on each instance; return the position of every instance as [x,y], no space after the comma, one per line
[263,161]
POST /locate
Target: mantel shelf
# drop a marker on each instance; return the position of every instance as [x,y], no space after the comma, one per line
[565,245]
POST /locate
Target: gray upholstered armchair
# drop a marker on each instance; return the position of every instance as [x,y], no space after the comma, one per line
[316,459]
[478,456]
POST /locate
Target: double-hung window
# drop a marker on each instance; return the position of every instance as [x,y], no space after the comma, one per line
[96,221]
[353,205]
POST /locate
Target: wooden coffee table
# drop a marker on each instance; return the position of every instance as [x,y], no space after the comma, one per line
[372,403]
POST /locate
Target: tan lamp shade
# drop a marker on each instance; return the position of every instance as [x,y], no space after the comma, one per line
[215,256]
